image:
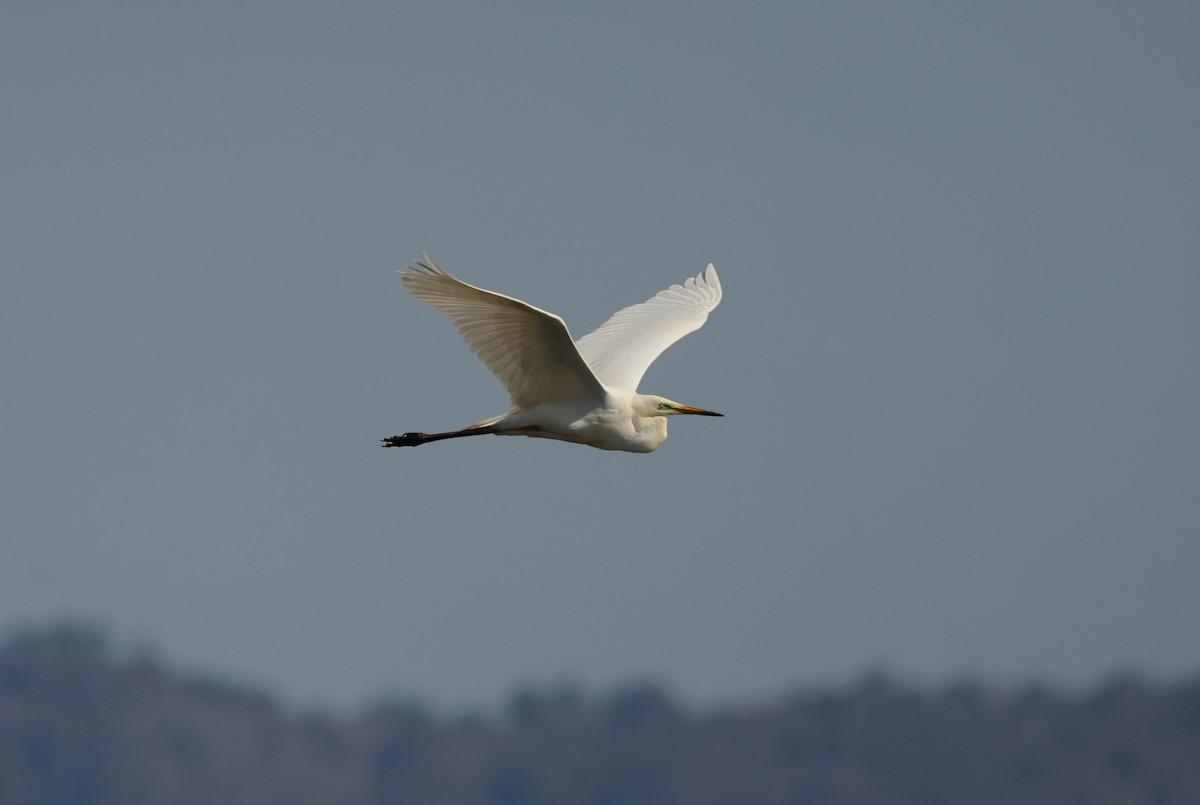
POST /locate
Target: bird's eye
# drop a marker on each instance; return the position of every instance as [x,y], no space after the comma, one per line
[663,406]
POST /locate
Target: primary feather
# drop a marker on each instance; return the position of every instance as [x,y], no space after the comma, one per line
[529,349]
[621,350]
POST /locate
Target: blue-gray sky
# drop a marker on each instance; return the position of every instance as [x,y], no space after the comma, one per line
[958,351]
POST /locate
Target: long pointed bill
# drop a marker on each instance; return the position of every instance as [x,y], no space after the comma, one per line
[687,409]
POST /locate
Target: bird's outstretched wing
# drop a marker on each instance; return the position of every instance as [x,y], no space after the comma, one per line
[621,350]
[529,349]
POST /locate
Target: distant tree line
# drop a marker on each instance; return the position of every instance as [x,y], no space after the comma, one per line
[79,726]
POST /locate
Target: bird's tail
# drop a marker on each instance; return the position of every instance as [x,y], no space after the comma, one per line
[487,422]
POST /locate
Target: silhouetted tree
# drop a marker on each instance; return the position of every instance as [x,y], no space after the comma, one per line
[81,726]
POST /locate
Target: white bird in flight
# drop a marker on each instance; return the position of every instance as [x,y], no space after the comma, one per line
[581,391]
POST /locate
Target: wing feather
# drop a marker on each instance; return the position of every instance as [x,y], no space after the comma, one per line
[529,349]
[621,350]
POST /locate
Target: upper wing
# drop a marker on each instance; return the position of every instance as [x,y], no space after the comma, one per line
[622,349]
[529,349]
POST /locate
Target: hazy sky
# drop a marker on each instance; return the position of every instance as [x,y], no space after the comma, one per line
[959,351]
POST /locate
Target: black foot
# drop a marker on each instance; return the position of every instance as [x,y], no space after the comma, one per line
[407,440]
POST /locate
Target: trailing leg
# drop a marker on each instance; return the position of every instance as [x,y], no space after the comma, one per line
[414,439]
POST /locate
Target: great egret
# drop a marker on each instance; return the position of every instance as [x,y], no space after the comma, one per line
[582,391]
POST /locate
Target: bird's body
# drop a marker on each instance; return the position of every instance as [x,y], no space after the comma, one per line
[582,392]
[604,422]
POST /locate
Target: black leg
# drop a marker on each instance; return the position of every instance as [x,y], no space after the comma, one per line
[406,440]
[414,439]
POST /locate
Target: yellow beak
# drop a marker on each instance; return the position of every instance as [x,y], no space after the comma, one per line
[687,409]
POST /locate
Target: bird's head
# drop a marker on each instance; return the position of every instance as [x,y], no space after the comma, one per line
[661,406]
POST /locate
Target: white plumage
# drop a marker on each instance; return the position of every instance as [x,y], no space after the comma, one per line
[584,391]
[621,350]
